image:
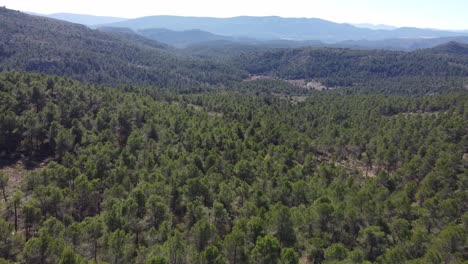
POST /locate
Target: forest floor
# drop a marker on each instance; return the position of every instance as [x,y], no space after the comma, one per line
[361,167]
[16,171]
[351,164]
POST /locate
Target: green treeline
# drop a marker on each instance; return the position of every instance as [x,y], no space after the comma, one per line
[142,175]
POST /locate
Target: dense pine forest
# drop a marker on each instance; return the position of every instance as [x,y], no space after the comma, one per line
[119,149]
[140,175]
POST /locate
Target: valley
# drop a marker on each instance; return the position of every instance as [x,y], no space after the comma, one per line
[137,142]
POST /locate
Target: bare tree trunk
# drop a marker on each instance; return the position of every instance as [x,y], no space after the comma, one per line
[4,195]
[95,250]
[16,217]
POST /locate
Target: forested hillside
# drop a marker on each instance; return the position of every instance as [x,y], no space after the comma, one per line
[32,43]
[141,175]
[353,64]
[451,48]
[424,72]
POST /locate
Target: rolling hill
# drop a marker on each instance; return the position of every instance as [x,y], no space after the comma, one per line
[39,44]
[357,64]
[184,38]
[129,34]
[451,48]
[199,38]
[405,44]
[420,72]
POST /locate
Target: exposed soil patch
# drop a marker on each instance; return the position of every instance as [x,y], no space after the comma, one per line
[311,85]
[465,159]
[370,172]
[294,99]
[307,84]
[360,166]
[17,170]
[418,113]
[201,108]
[304,260]
[260,77]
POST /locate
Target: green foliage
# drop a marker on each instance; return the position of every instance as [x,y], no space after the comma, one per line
[118,249]
[3,184]
[137,174]
[336,252]
[235,247]
[43,249]
[289,256]
[267,250]
[156,260]
[9,241]
[212,255]
[419,72]
[69,257]
[64,142]
[373,241]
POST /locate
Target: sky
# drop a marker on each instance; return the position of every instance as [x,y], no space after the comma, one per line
[441,14]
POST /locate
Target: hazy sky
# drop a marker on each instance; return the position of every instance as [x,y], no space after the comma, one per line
[444,14]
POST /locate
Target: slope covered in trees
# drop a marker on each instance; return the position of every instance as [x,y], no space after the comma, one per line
[451,48]
[422,72]
[352,64]
[32,43]
[141,175]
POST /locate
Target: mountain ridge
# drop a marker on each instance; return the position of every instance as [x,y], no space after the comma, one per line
[274,27]
[46,45]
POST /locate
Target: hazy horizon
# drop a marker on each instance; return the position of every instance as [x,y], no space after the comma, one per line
[449,15]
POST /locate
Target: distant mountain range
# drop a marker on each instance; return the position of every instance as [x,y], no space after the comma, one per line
[272,31]
[182,39]
[195,37]
[268,28]
[87,20]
